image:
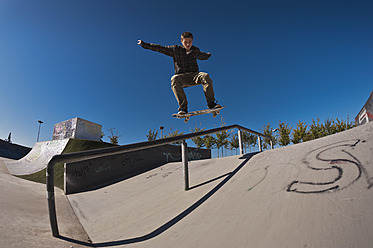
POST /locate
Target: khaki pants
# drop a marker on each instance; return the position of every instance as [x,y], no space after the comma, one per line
[180,81]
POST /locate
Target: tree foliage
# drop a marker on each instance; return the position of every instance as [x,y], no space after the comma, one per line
[114,137]
[221,140]
[316,130]
[284,136]
[299,133]
[152,135]
[174,134]
[209,141]
[284,133]
[198,141]
[267,130]
[248,140]
[234,142]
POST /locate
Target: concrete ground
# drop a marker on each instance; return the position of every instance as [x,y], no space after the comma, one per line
[314,194]
[24,220]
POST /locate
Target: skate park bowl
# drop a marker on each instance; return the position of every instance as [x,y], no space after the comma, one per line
[313,194]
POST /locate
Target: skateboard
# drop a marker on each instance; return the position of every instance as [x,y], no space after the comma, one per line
[187,116]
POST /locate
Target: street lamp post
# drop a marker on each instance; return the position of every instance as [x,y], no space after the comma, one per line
[161,127]
[273,130]
[40,122]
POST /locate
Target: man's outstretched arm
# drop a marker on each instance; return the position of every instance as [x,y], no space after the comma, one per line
[202,55]
[167,50]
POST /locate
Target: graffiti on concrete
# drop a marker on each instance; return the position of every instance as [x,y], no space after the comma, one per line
[80,172]
[152,175]
[64,130]
[130,160]
[90,170]
[192,155]
[331,168]
[169,157]
[100,169]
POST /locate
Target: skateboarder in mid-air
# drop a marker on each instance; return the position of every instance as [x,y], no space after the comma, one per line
[186,70]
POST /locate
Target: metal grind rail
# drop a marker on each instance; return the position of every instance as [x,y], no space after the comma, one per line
[80,156]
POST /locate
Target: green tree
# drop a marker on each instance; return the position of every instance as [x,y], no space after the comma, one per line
[329,127]
[221,141]
[342,125]
[284,133]
[114,137]
[299,133]
[267,130]
[316,130]
[209,141]
[248,140]
[174,134]
[350,124]
[198,141]
[152,135]
[234,142]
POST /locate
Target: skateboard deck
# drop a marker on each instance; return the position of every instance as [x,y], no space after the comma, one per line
[187,116]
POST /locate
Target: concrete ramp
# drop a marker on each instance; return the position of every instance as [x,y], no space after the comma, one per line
[37,159]
[314,194]
[24,215]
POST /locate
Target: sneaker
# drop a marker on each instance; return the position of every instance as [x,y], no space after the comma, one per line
[182,112]
[214,106]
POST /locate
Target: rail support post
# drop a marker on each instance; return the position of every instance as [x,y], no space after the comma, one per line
[240,141]
[184,159]
[260,143]
[51,199]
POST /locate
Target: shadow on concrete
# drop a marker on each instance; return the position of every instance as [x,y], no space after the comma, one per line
[12,151]
[210,181]
[175,220]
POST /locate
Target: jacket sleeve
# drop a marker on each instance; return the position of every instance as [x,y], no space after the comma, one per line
[167,50]
[201,55]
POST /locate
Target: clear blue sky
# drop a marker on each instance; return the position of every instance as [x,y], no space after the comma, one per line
[271,60]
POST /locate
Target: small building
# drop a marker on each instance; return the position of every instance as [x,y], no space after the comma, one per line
[77,128]
[366,113]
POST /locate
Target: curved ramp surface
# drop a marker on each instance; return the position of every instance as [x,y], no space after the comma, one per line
[24,215]
[314,194]
[37,159]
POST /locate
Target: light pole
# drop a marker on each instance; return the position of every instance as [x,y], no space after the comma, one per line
[161,127]
[40,122]
[274,130]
